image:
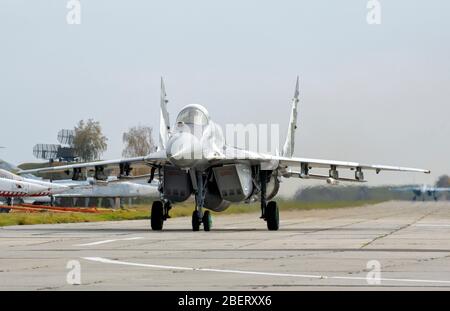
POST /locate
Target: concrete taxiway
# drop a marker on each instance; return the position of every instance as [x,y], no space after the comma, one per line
[393,245]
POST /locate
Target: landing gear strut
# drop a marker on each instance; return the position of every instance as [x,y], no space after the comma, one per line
[269,210]
[198,217]
[160,213]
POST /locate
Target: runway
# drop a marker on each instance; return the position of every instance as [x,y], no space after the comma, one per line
[393,245]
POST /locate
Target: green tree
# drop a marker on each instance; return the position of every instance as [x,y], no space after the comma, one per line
[443,181]
[89,141]
[138,141]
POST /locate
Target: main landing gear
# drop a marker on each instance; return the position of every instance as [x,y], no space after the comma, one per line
[160,213]
[269,210]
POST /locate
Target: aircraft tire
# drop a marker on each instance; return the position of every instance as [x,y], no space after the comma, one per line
[157,217]
[207,221]
[272,216]
[196,220]
[4,210]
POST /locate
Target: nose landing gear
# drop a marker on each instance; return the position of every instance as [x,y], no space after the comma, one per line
[198,216]
[207,221]
[196,220]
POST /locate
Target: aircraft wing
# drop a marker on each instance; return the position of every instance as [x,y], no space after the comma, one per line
[405,189]
[318,163]
[442,189]
[287,165]
[155,158]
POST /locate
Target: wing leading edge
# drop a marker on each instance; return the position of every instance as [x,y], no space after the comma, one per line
[155,158]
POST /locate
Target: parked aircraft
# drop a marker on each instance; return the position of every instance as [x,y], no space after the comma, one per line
[114,189]
[20,186]
[10,188]
[193,159]
[110,188]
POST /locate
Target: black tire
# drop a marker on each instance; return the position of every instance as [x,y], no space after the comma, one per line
[272,216]
[4,210]
[207,221]
[157,217]
[196,221]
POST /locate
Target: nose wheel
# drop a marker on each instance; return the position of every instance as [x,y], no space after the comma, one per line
[207,221]
[198,220]
[198,216]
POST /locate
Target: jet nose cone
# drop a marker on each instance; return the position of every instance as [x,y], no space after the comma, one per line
[184,150]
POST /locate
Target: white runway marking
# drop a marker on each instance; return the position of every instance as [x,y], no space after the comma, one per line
[108,241]
[308,276]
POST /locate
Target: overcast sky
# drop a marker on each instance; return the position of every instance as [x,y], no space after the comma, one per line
[369,93]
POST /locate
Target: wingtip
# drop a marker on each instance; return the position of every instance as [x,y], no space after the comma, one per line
[297,87]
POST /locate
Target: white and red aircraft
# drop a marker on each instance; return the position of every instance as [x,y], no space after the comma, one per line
[14,186]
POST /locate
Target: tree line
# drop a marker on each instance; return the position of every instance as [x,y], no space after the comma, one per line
[89,142]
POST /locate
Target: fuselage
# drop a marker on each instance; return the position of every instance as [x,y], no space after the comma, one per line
[47,188]
[195,139]
[111,190]
[424,189]
[14,188]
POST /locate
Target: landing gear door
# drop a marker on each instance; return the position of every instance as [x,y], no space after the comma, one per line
[234,182]
[177,186]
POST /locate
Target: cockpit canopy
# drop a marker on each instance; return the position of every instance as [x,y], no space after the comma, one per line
[195,115]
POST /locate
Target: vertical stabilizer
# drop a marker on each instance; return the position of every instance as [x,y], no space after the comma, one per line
[288,148]
[164,123]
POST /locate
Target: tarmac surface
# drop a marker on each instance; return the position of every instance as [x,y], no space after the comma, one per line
[393,245]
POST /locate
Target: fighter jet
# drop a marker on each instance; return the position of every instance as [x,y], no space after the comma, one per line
[113,188]
[11,188]
[422,191]
[194,159]
[109,188]
[35,187]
